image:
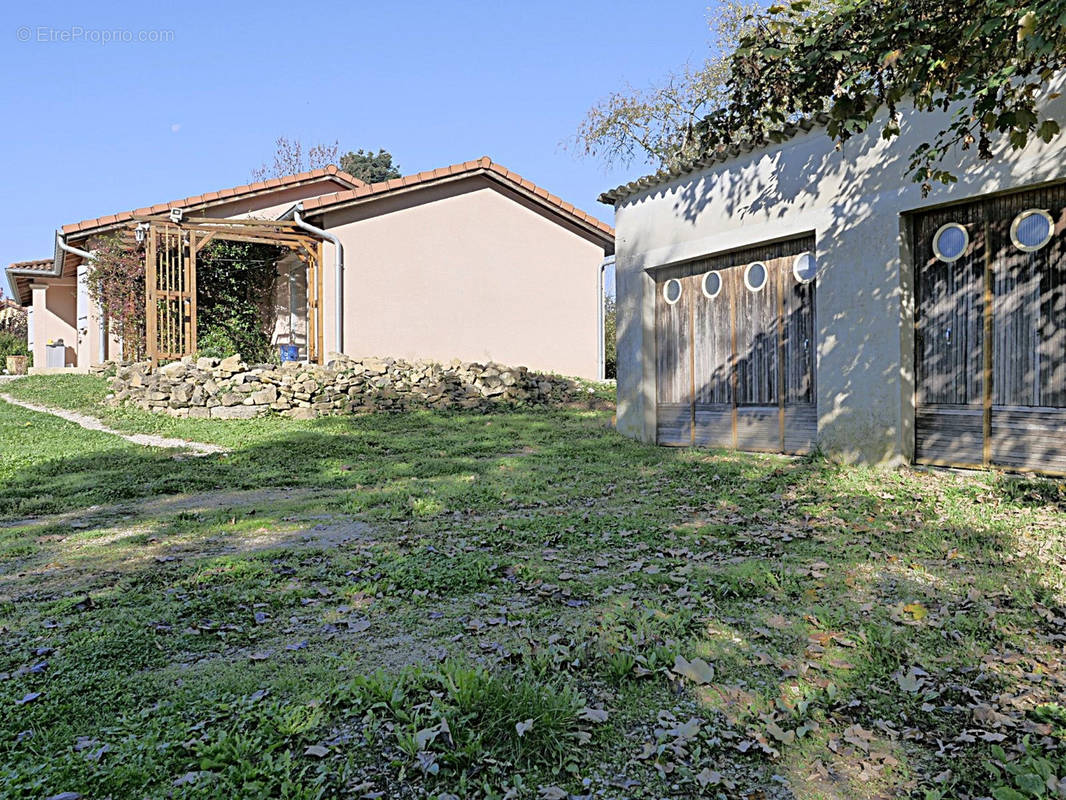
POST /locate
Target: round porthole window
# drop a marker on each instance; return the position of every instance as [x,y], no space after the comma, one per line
[712,285]
[804,267]
[672,291]
[1032,229]
[755,276]
[950,242]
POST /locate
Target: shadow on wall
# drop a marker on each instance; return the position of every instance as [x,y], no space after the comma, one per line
[852,200]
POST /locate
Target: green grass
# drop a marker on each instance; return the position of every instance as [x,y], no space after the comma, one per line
[447,604]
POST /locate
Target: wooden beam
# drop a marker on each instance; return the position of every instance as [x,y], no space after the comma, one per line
[733,352]
[691,302]
[986,348]
[203,241]
[236,222]
[782,282]
[150,344]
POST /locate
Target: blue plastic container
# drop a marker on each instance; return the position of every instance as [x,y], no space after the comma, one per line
[289,352]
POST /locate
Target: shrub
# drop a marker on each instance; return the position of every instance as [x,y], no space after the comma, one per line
[12,345]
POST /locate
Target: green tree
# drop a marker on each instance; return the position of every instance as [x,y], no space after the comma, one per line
[988,62]
[610,338]
[369,166]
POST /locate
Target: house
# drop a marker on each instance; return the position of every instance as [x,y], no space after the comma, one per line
[793,296]
[471,261]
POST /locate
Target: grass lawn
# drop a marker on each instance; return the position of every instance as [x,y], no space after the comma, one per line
[519,605]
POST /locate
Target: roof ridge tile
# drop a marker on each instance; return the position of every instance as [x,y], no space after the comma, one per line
[484,165]
[219,194]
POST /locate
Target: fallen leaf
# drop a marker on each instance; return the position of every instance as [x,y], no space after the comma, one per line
[708,777]
[916,610]
[317,750]
[697,670]
[910,682]
[783,736]
[593,714]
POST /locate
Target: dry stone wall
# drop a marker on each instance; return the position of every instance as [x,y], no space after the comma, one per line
[228,388]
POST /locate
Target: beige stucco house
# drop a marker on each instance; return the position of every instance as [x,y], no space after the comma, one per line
[469,261]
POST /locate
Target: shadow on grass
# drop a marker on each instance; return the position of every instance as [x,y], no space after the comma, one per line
[869,628]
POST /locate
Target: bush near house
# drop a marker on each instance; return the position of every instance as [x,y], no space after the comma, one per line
[13,330]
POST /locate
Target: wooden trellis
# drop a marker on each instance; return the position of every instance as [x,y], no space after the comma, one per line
[170,276]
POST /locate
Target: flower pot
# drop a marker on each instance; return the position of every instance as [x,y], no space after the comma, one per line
[17,365]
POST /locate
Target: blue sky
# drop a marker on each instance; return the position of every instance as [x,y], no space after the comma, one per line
[92,127]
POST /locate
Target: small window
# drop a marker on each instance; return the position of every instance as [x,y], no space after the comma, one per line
[1032,229]
[712,285]
[672,291]
[755,276]
[805,268]
[950,242]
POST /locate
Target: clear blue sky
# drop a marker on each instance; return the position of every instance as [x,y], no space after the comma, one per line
[92,128]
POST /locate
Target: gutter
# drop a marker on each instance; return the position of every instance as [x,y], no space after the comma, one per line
[338,265]
[55,272]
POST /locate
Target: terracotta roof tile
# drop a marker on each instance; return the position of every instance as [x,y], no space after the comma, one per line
[719,154]
[209,197]
[38,264]
[483,165]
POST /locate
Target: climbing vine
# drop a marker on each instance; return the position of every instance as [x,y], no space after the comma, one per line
[235,283]
[116,282]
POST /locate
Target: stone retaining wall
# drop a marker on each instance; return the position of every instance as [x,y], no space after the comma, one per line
[230,389]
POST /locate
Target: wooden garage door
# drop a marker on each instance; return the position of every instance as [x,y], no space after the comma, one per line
[990,344]
[735,366]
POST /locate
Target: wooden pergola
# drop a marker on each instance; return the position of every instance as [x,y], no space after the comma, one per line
[172,242]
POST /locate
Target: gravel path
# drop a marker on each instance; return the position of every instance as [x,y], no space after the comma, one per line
[93,424]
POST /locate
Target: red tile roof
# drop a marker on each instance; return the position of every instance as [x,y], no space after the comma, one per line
[223,195]
[18,279]
[39,264]
[483,165]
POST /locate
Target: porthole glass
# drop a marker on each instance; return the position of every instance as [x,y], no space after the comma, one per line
[950,242]
[1032,229]
[755,276]
[712,285]
[804,267]
[672,291]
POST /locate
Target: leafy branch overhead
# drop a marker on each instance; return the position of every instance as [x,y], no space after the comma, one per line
[988,64]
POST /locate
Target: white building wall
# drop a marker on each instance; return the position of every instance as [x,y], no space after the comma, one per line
[852,200]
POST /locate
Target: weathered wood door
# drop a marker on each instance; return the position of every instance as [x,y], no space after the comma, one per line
[170,292]
[735,351]
[990,338]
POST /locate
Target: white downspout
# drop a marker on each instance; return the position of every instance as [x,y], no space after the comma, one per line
[338,263]
[89,257]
